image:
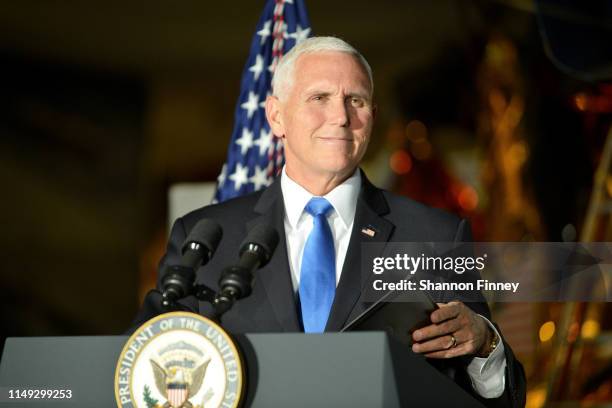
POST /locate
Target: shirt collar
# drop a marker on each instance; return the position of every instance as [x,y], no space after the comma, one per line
[343,198]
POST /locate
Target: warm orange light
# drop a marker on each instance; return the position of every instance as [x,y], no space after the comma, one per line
[400,162]
[547,331]
[590,329]
[581,101]
[518,153]
[536,398]
[468,198]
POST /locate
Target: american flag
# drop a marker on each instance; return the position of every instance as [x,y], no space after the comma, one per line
[254,155]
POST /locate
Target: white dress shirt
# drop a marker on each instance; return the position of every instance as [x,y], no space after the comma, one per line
[486,374]
[298,223]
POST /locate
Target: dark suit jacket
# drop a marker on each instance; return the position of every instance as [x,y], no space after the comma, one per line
[272,305]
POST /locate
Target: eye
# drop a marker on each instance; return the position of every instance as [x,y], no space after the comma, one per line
[357,102]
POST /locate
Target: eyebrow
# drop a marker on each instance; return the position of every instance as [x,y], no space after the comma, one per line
[314,92]
[321,92]
[359,95]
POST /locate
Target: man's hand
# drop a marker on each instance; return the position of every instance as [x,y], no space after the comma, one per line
[455,331]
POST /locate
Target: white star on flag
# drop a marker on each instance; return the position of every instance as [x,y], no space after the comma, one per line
[240,176]
[245,141]
[262,104]
[251,104]
[260,178]
[264,142]
[299,34]
[221,177]
[257,67]
[265,31]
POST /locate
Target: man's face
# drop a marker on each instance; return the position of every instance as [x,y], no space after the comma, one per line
[326,117]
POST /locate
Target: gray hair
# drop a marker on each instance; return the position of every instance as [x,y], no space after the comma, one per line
[283,74]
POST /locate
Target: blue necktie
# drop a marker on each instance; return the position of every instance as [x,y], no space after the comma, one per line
[318,273]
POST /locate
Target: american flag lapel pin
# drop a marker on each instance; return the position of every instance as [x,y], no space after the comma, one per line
[368,231]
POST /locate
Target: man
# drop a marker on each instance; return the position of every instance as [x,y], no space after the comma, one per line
[322,109]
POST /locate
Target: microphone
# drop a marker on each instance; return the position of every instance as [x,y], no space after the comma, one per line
[198,249]
[236,281]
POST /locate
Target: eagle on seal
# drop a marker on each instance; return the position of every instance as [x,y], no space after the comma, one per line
[178,384]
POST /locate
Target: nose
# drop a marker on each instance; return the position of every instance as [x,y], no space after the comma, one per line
[340,112]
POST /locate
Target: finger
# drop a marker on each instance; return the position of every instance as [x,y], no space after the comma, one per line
[437,344]
[436,330]
[445,312]
[466,341]
[456,351]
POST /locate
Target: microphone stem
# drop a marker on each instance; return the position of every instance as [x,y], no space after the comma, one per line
[224,302]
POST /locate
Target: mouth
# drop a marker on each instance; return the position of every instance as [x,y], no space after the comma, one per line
[335,139]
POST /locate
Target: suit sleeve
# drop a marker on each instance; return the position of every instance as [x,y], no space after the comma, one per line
[514,394]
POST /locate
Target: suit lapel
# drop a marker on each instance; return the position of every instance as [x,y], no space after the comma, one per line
[371,205]
[275,277]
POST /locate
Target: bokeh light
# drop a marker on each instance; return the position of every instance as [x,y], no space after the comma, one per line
[547,331]
[468,198]
[590,329]
[400,162]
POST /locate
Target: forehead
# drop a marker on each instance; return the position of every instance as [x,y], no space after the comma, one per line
[332,67]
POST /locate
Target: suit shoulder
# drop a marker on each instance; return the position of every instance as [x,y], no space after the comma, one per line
[405,204]
[408,213]
[232,210]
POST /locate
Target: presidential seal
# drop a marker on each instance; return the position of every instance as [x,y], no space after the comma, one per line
[179,360]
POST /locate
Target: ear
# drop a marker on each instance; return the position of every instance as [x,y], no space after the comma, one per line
[274,116]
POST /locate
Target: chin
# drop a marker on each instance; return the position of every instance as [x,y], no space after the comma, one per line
[340,168]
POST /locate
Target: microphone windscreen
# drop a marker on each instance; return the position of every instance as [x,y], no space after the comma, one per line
[207,233]
[262,235]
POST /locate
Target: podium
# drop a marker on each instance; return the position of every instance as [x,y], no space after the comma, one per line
[359,369]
